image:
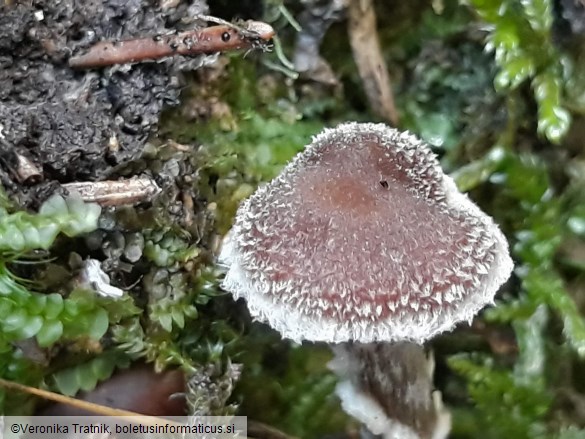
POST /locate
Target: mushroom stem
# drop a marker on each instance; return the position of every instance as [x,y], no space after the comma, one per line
[389,387]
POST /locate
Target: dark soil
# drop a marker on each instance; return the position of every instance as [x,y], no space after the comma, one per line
[81,125]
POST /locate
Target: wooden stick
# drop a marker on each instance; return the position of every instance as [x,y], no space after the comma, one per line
[85,405]
[363,37]
[124,414]
[115,193]
[254,34]
[260,430]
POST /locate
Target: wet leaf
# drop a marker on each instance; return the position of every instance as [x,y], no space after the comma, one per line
[99,324]
[49,333]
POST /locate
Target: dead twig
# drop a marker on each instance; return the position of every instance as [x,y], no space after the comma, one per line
[259,430]
[115,193]
[224,37]
[85,405]
[363,37]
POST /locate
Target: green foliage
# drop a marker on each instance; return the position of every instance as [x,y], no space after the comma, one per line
[518,398]
[129,337]
[22,231]
[523,395]
[448,84]
[172,301]
[15,366]
[312,405]
[72,215]
[533,193]
[294,393]
[173,330]
[250,144]
[85,376]
[174,313]
[164,248]
[478,172]
[255,152]
[521,39]
[148,327]
[514,403]
[48,318]
[448,80]
[539,233]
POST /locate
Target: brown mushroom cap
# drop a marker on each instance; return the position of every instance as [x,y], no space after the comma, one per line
[363,237]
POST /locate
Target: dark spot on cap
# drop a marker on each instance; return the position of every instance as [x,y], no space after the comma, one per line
[384,184]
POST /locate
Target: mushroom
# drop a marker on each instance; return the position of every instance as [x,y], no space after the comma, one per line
[362,238]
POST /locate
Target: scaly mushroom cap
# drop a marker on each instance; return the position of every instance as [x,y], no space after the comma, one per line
[363,237]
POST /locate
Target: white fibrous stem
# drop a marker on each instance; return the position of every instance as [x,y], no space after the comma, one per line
[389,388]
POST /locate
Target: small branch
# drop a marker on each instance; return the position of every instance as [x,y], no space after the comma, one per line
[221,38]
[363,37]
[258,430]
[115,193]
[85,405]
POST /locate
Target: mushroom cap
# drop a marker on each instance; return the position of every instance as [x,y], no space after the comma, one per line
[363,237]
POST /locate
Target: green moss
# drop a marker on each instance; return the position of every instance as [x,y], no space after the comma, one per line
[492,118]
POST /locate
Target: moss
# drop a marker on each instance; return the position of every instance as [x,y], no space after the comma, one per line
[517,372]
